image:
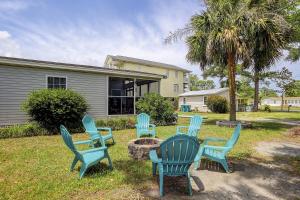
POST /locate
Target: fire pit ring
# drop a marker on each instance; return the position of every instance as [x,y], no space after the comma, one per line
[139,148]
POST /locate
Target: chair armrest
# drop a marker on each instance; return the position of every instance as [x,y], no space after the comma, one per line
[104,128]
[152,125]
[153,157]
[216,147]
[83,142]
[199,154]
[93,150]
[213,139]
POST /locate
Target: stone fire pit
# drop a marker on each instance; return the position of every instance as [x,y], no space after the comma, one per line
[139,148]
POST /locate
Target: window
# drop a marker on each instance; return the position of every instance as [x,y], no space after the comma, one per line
[176,74]
[274,101]
[56,82]
[121,96]
[184,101]
[205,100]
[176,88]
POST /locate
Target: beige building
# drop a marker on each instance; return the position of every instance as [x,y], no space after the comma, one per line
[176,78]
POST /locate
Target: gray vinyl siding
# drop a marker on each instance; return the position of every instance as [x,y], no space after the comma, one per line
[17,82]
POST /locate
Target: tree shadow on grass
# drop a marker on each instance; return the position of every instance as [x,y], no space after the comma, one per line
[270,126]
[135,171]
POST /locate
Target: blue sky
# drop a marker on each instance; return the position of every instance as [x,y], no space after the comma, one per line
[84,32]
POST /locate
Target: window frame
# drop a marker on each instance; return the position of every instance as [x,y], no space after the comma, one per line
[57,76]
[176,89]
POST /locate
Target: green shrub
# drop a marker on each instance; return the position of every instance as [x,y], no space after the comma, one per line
[160,109]
[217,104]
[52,107]
[22,130]
[267,108]
[117,123]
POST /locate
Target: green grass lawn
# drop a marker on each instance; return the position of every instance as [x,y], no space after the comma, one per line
[38,167]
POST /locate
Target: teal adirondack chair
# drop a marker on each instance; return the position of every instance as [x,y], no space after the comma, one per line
[217,153]
[88,157]
[177,154]
[193,128]
[95,132]
[143,126]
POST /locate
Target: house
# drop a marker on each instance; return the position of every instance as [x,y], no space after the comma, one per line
[276,101]
[198,99]
[108,91]
[175,83]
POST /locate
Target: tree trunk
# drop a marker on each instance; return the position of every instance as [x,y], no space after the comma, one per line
[281,102]
[256,89]
[232,86]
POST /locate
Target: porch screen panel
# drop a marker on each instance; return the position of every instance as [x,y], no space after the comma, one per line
[121,96]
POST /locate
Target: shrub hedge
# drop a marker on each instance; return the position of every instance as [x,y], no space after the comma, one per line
[217,104]
[22,130]
[161,110]
[52,107]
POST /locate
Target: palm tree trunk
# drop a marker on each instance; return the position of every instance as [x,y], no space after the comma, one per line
[282,102]
[232,88]
[256,89]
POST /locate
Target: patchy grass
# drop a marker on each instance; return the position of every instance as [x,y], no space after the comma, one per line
[38,167]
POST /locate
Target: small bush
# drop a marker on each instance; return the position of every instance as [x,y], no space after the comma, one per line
[52,107]
[217,104]
[22,130]
[267,108]
[161,110]
[117,123]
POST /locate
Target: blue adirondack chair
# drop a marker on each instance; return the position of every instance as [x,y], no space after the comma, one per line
[88,157]
[193,128]
[143,126]
[95,132]
[217,153]
[177,154]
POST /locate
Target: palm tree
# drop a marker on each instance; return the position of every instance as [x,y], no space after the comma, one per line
[219,36]
[270,36]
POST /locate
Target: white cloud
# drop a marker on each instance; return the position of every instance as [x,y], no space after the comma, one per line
[87,42]
[8,47]
[13,5]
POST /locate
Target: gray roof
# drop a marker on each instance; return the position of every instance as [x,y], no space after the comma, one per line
[145,62]
[204,92]
[21,62]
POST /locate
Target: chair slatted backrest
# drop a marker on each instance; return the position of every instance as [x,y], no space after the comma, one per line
[178,153]
[68,139]
[89,125]
[195,125]
[235,136]
[143,120]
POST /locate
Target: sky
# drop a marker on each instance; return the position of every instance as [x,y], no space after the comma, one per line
[85,31]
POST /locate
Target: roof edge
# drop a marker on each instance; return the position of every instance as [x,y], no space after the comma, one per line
[22,62]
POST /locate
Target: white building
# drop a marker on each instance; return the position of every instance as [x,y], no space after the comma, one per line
[197,99]
[276,101]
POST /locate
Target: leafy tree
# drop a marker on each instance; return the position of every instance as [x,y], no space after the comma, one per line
[270,36]
[293,17]
[196,84]
[294,91]
[284,82]
[220,36]
[267,92]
